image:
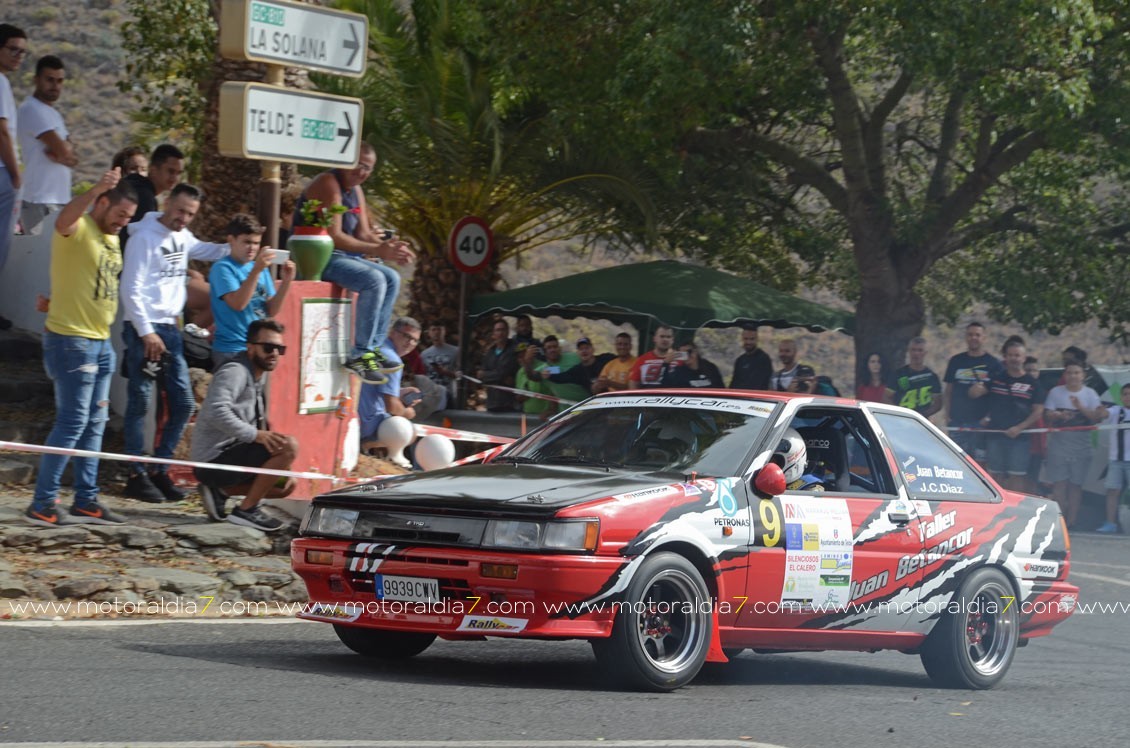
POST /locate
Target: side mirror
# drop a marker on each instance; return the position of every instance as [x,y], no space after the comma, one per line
[770,480]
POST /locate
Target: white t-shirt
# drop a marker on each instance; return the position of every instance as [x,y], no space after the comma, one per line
[45,181]
[1119,414]
[8,110]
[1060,399]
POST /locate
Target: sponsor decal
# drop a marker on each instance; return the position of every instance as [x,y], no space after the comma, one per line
[802,562]
[647,493]
[1067,603]
[690,489]
[731,521]
[810,537]
[835,561]
[867,586]
[749,407]
[910,477]
[940,522]
[492,624]
[922,507]
[724,497]
[835,580]
[913,562]
[926,471]
[1041,568]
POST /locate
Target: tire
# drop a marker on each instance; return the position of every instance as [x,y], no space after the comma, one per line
[656,645]
[974,647]
[381,644]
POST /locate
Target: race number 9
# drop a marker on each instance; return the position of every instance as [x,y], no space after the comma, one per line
[771,523]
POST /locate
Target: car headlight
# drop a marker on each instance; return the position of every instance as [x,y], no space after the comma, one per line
[512,534]
[558,535]
[330,520]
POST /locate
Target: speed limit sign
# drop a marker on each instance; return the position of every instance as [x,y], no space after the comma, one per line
[470,245]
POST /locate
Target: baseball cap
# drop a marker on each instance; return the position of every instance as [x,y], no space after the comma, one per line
[583,341]
[805,371]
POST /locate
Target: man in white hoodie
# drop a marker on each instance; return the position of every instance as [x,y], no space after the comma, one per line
[153,295]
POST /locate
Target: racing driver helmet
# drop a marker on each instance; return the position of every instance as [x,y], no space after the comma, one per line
[791,455]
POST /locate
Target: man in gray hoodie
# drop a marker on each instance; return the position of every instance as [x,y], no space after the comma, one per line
[153,294]
[232,430]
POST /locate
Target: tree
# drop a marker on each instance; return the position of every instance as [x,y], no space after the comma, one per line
[451,143]
[903,151]
[175,71]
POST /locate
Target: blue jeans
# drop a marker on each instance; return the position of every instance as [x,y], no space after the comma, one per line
[7,214]
[376,285]
[80,369]
[174,379]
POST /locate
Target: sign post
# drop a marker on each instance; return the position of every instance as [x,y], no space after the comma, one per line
[260,121]
[470,247]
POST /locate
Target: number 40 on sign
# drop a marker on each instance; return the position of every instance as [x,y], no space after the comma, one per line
[470,246]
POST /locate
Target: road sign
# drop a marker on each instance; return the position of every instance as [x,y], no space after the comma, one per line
[470,245]
[271,123]
[281,32]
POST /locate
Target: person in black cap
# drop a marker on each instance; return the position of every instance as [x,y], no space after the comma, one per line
[584,373]
[806,382]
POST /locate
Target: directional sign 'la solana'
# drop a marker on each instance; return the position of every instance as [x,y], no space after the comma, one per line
[270,123]
[288,33]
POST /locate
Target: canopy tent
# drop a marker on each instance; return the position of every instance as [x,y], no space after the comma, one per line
[672,293]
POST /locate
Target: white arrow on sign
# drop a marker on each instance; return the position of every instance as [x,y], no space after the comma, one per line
[289,33]
[270,123]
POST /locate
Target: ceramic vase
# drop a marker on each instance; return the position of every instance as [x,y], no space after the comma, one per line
[310,248]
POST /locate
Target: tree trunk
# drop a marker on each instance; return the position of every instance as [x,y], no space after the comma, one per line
[887,317]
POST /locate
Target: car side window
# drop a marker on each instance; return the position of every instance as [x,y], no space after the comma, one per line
[930,467]
[843,452]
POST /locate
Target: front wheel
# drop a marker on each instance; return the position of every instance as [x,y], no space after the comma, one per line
[381,644]
[974,646]
[662,632]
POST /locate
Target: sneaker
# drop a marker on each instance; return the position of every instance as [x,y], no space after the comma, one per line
[1108,527]
[214,501]
[140,487]
[256,518]
[384,366]
[166,486]
[48,517]
[365,366]
[95,514]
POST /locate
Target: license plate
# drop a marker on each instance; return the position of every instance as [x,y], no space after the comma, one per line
[407,589]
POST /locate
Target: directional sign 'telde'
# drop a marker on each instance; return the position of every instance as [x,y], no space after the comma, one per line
[270,123]
[295,34]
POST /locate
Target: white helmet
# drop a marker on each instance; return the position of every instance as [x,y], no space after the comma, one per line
[791,455]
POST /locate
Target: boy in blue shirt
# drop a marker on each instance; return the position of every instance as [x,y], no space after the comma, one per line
[242,289]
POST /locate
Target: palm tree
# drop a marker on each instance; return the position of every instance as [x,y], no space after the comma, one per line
[451,143]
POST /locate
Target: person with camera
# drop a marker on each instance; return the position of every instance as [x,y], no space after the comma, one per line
[806,382]
[696,371]
[650,368]
[378,402]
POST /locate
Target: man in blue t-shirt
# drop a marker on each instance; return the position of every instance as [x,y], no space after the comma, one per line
[241,288]
[975,365]
[379,401]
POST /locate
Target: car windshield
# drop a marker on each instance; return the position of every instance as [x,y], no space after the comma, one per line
[707,436]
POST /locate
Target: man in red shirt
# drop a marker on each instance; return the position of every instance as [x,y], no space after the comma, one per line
[649,368]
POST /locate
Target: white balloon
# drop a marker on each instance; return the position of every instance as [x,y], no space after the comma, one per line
[395,433]
[434,451]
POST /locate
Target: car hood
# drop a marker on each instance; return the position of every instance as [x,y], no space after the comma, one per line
[532,489]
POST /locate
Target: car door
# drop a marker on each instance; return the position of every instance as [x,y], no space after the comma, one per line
[830,558]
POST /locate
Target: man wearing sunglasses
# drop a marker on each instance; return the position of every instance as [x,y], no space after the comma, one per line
[13,50]
[232,429]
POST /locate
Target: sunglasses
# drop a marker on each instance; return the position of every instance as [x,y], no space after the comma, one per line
[272,347]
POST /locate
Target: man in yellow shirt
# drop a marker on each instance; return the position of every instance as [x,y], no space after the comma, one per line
[85,263]
[614,375]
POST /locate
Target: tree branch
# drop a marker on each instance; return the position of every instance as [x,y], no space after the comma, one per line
[805,170]
[961,201]
[947,141]
[975,232]
[846,114]
[873,130]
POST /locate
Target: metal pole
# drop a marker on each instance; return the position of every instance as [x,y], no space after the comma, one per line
[270,178]
[460,336]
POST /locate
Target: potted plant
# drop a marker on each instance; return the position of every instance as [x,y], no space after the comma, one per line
[310,245]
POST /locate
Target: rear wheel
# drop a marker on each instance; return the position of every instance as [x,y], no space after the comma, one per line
[661,636]
[385,645]
[974,646]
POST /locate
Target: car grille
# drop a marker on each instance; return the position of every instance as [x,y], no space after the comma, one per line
[396,527]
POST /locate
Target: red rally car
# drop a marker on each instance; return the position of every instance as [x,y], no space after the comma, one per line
[671,528]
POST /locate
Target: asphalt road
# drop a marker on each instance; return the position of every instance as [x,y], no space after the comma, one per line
[284,683]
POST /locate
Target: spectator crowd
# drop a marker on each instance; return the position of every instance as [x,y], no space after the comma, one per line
[126,243]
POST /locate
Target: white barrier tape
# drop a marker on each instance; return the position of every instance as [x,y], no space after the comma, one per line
[516,391]
[42,449]
[467,436]
[1043,430]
